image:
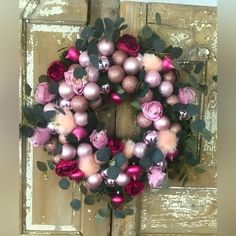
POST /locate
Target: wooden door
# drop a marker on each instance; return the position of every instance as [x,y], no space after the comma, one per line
[189,210]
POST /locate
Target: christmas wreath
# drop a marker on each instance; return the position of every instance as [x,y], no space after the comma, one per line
[102,67]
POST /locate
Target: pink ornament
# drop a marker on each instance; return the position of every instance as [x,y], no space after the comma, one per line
[93,74]
[77,176]
[150,137]
[116,98]
[172,154]
[119,57]
[62,139]
[93,181]
[162,124]
[134,171]
[117,200]
[167,64]
[170,76]
[148,97]
[65,104]
[81,118]
[166,88]
[173,99]
[66,91]
[79,103]
[105,47]
[116,74]
[84,60]
[142,121]
[96,103]
[123,179]
[84,149]
[40,137]
[72,54]
[156,177]
[68,152]
[130,83]
[80,133]
[131,66]
[140,149]
[153,78]
[175,127]
[91,91]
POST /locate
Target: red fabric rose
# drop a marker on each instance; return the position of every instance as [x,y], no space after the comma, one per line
[115,145]
[66,168]
[128,44]
[134,187]
[56,71]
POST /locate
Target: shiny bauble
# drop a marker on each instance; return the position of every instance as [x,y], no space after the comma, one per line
[51,145]
[104,63]
[118,57]
[106,89]
[162,124]
[117,200]
[94,181]
[166,88]
[66,91]
[116,74]
[111,183]
[68,152]
[65,104]
[84,149]
[81,118]
[150,137]
[131,66]
[93,73]
[116,98]
[172,100]
[96,103]
[153,78]
[56,159]
[170,76]
[79,104]
[77,176]
[129,84]
[106,47]
[84,60]
[91,91]
[140,149]
[123,179]
[134,171]
[62,139]
[172,154]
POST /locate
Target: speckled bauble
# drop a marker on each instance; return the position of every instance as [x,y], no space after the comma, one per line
[66,91]
[96,103]
[116,74]
[106,47]
[84,149]
[170,76]
[93,181]
[118,57]
[84,60]
[93,73]
[68,152]
[81,118]
[142,121]
[140,149]
[117,200]
[79,103]
[175,127]
[131,66]
[104,63]
[153,78]
[172,100]
[129,84]
[162,124]
[65,104]
[166,88]
[123,179]
[150,137]
[91,91]
[148,97]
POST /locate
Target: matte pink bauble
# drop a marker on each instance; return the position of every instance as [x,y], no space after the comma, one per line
[66,91]
[123,179]
[79,103]
[153,78]
[117,200]
[175,127]
[119,57]
[93,181]
[93,73]
[56,159]
[170,76]
[134,171]
[96,103]
[68,152]
[62,139]
[84,60]
[148,97]
[116,74]
[65,104]
[106,47]
[131,66]
[166,88]
[91,91]
[81,118]
[173,99]
[77,176]
[142,121]
[49,107]
[104,63]
[172,154]
[162,124]
[84,149]
[140,149]
[129,84]
[150,137]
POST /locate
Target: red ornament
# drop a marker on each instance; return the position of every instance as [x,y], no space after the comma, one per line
[134,171]
[116,98]
[77,176]
[134,188]
[115,145]
[117,200]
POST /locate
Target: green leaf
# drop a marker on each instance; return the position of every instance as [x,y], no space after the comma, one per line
[103,154]
[28,89]
[89,200]
[158,18]
[108,24]
[64,183]
[49,115]
[119,214]
[26,131]
[120,159]
[193,109]
[86,33]
[198,125]
[92,49]
[42,166]
[42,79]
[176,52]
[199,169]
[113,172]
[100,126]
[135,104]
[50,164]
[179,107]
[99,25]
[94,59]
[193,82]
[71,138]
[116,35]
[119,21]
[147,31]
[104,212]
[146,162]
[157,156]
[128,211]
[79,73]
[206,134]
[58,148]
[79,44]
[215,78]
[191,159]
[53,87]
[83,189]
[75,204]
[123,27]
[158,45]
[199,67]
[141,75]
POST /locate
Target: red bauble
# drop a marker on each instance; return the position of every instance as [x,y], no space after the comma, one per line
[134,171]
[117,200]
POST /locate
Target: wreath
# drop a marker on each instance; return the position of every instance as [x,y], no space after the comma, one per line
[104,67]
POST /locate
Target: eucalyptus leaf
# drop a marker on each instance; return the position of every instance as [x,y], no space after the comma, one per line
[147,31]
[89,200]
[100,126]
[103,154]
[42,79]
[157,156]
[75,204]
[64,183]
[99,25]
[104,212]
[120,159]
[193,109]
[94,59]
[113,172]
[175,52]
[79,73]
[158,18]
[158,45]
[86,33]
[28,89]
[49,115]
[135,104]
[50,164]
[146,162]
[119,214]
[26,131]
[199,169]
[198,125]
[92,49]
[53,87]
[83,189]
[198,68]
[206,134]
[79,44]
[123,27]
[119,21]
[128,211]
[42,166]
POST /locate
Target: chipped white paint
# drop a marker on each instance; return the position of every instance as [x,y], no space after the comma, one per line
[57,10]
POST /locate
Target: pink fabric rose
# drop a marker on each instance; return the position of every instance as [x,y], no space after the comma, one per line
[80,133]
[99,139]
[56,71]
[40,137]
[42,94]
[187,95]
[152,110]
[156,177]
[77,84]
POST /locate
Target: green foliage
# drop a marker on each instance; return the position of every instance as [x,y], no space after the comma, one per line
[198,125]
[83,189]
[113,172]
[104,212]
[28,89]
[75,204]
[158,18]
[89,200]
[147,31]
[42,166]
[198,68]
[103,154]
[26,131]
[53,87]
[42,79]
[51,164]
[79,73]
[119,159]
[64,183]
